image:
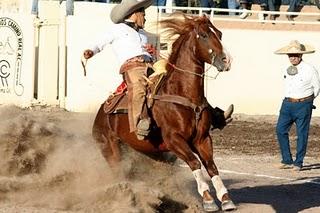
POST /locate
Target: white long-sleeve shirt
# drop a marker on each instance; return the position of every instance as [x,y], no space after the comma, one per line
[125,41]
[305,83]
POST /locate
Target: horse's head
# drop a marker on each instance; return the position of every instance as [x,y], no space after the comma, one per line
[203,38]
[208,46]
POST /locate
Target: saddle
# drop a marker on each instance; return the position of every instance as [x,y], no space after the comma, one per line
[117,102]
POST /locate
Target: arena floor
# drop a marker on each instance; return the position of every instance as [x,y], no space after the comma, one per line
[49,163]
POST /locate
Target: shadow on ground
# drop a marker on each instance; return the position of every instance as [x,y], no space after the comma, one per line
[311,167]
[283,198]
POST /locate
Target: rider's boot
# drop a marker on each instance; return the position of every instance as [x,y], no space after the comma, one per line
[143,128]
[144,123]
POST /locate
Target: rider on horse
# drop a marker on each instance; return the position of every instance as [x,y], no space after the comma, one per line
[130,43]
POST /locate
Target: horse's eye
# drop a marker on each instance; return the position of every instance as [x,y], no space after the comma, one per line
[203,35]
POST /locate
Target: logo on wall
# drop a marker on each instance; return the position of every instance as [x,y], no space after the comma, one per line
[11,47]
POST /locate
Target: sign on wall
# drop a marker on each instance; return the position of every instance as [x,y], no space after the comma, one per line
[11,52]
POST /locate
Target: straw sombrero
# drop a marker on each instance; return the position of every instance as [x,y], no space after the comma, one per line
[126,7]
[295,47]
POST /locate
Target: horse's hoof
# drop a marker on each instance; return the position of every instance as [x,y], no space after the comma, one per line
[210,206]
[228,205]
[228,112]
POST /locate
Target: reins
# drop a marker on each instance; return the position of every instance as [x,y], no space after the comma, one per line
[192,72]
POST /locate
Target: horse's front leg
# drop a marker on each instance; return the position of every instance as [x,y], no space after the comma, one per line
[180,147]
[205,152]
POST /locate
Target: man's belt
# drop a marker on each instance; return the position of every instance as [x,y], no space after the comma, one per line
[138,61]
[296,100]
[140,58]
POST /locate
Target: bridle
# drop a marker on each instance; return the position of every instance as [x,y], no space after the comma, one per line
[194,73]
[210,51]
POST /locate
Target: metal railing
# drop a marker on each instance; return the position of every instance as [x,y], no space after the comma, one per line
[214,14]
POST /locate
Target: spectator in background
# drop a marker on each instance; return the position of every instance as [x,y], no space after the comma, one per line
[294,6]
[102,1]
[181,3]
[264,7]
[274,5]
[233,4]
[207,3]
[245,5]
[160,3]
[301,87]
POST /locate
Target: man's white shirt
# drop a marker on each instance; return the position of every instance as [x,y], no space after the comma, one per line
[125,41]
[305,83]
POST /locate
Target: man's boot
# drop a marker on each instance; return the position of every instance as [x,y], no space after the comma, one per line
[143,128]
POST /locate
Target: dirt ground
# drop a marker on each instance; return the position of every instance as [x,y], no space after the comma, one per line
[49,163]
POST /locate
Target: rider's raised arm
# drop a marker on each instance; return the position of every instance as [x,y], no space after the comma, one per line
[103,39]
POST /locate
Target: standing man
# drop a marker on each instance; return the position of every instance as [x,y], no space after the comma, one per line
[130,44]
[302,85]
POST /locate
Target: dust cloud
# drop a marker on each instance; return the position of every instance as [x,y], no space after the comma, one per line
[50,163]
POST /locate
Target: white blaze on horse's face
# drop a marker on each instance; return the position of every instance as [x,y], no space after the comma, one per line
[226,57]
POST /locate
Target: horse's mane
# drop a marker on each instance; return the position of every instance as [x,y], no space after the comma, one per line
[179,25]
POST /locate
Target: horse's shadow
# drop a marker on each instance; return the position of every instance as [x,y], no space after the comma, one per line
[282,198]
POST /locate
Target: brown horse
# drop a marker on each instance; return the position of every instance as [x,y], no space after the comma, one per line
[180,111]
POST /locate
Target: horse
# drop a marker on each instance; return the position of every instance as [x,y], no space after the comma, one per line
[180,110]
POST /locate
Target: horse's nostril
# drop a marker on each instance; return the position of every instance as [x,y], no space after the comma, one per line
[224,59]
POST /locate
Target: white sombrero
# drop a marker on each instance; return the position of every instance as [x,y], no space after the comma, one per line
[295,47]
[126,7]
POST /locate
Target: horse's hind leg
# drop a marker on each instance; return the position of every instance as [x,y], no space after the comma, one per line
[205,153]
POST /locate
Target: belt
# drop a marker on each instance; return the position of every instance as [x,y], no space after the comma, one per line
[296,100]
[140,58]
[138,61]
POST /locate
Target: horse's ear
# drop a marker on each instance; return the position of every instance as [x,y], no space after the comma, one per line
[204,17]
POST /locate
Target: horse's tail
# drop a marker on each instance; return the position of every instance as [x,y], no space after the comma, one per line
[99,125]
[104,137]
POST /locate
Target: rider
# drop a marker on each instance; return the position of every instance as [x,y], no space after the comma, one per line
[130,44]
